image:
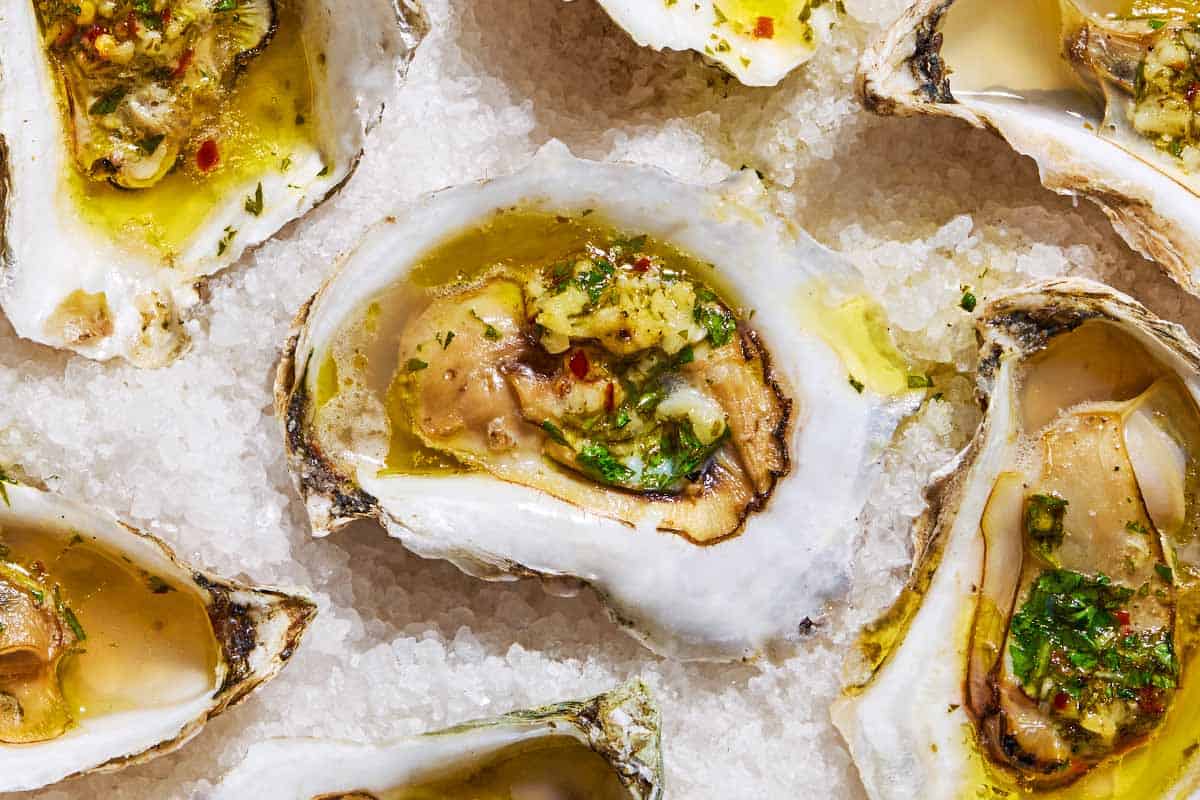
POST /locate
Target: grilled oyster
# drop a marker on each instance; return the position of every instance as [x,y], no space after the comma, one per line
[113,652]
[757,41]
[1101,93]
[145,144]
[606,748]
[1048,642]
[594,371]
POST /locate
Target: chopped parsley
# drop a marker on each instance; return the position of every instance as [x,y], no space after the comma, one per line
[254,203]
[856,384]
[718,323]
[226,240]
[919,381]
[1067,638]
[151,143]
[107,103]
[554,432]
[968,302]
[1044,522]
[416,365]
[597,460]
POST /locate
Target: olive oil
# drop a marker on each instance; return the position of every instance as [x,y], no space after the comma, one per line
[148,643]
[551,769]
[267,116]
[856,329]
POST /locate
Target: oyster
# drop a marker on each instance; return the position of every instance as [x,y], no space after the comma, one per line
[113,652]
[604,748]
[1100,93]
[594,371]
[145,144]
[757,41]
[1048,641]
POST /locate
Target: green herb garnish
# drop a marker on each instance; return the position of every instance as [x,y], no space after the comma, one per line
[1044,521]
[107,103]
[416,365]
[254,204]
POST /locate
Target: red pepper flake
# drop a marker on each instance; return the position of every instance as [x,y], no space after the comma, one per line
[93,33]
[1150,700]
[207,157]
[641,265]
[579,364]
[185,61]
[1061,699]
[764,28]
[1121,616]
[66,34]
[165,16]
[131,25]
[610,397]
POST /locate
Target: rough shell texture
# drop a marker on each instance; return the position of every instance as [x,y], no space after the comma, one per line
[257,632]
[729,600]
[903,73]
[621,725]
[907,724]
[50,252]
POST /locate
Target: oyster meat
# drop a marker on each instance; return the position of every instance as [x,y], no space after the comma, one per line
[145,144]
[1047,644]
[604,748]
[757,41]
[1101,93]
[112,651]
[597,372]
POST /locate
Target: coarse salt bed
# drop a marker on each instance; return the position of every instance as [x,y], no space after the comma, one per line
[927,208]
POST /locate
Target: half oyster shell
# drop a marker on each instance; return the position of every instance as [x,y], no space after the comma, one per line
[757,41]
[112,651]
[146,144]
[596,372]
[1047,643]
[1100,93]
[606,748]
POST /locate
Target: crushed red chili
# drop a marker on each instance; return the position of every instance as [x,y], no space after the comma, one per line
[579,364]
[185,61]
[1121,616]
[642,264]
[1061,699]
[764,28]
[610,397]
[207,157]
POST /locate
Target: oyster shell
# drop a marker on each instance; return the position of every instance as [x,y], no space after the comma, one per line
[596,372]
[1048,640]
[145,145]
[1097,92]
[606,747]
[112,651]
[757,41]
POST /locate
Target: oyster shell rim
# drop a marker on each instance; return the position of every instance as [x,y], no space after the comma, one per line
[1014,324]
[913,42]
[240,668]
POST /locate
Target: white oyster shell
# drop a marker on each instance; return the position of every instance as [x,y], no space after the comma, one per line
[257,632]
[904,73]
[622,726]
[728,600]
[49,252]
[908,725]
[727,37]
